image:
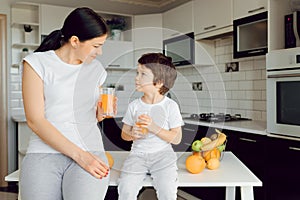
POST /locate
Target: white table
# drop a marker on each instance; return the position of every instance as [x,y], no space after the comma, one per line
[232,173]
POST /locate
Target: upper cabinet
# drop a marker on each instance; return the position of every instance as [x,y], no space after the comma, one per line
[51,21]
[212,17]
[244,8]
[147,34]
[25,30]
[178,20]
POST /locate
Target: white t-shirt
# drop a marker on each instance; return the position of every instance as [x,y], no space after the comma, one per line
[165,114]
[70,95]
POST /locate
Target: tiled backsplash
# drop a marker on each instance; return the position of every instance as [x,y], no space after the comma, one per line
[242,92]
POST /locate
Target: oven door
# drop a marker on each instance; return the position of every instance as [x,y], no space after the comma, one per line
[283,103]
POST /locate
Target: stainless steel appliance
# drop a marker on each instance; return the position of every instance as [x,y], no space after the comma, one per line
[219,117]
[181,49]
[250,35]
[292,29]
[283,92]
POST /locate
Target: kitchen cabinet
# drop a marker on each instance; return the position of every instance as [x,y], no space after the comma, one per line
[147,34]
[212,17]
[117,54]
[111,135]
[189,134]
[250,149]
[23,133]
[24,15]
[244,8]
[282,158]
[178,20]
[51,21]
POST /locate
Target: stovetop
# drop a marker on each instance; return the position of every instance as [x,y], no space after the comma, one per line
[220,117]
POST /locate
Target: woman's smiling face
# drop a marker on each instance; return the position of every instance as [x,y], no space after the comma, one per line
[91,48]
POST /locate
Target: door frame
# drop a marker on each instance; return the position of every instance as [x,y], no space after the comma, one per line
[3,102]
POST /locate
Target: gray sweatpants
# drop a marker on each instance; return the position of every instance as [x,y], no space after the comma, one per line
[54,176]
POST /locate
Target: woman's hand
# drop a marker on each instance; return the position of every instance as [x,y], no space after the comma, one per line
[92,164]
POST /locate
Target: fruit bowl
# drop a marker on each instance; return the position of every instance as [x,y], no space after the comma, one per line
[206,153]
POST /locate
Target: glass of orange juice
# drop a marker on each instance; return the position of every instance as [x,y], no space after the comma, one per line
[107,98]
[138,123]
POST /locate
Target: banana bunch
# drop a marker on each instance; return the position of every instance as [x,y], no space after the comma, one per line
[216,140]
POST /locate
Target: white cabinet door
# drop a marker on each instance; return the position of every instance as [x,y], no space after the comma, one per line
[244,8]
[210,15]
[52,17]
[147,34]
[117,54]
[178,20]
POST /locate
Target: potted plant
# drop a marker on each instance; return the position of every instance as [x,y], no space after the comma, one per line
[116,25]
[27,35]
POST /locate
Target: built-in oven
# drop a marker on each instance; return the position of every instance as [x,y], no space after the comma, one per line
[283,92]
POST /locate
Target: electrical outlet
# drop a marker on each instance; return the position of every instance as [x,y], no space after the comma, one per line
[197,86]
[232,67]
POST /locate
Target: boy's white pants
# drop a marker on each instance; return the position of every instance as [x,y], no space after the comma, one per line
[160,165]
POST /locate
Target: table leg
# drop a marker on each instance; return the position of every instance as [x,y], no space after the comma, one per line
[247,193]
[230,193]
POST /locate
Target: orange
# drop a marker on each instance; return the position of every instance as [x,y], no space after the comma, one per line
[213,163]
[197,153]
[214,153]
[195,164]
[110,159]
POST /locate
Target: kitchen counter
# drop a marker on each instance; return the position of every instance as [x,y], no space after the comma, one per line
[247,126]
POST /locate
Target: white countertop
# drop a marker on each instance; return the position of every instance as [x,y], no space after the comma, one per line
[247,126]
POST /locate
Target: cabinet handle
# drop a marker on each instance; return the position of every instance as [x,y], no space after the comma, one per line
[294,148]
[189,129]
[210,27]
[257,9]
[114,65]
[248,140]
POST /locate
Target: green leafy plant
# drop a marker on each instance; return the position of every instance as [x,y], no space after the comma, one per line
[116,23]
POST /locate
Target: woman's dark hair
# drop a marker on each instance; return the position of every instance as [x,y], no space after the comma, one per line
[162,68]
[82,22]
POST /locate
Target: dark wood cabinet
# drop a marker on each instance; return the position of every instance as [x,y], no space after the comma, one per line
[189,132]
[250,149]
[282,167]
[111,135]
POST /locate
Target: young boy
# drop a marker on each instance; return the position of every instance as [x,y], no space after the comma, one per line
[151,151]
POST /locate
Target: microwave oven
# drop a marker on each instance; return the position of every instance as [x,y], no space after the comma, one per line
[250,35]
[181,49]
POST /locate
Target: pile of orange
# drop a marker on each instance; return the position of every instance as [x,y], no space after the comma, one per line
[197,161]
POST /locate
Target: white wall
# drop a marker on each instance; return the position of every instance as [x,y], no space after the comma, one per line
[242,92]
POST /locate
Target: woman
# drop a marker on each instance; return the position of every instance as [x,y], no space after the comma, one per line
[65,158]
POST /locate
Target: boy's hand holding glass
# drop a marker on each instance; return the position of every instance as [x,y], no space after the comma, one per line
[142,121]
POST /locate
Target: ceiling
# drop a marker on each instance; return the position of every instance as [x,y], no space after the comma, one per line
[131,7]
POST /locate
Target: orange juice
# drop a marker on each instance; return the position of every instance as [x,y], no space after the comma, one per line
[107,100]
[107,104]
[144,130]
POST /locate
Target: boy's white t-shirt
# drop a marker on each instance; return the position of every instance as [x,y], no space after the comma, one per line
[165,114]
[70,96]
